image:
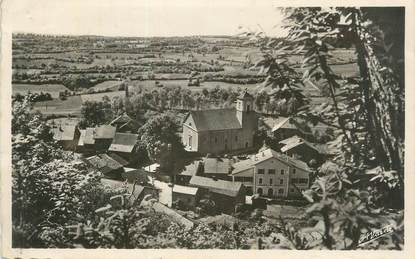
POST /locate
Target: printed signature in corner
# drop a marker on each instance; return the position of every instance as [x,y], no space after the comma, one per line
[375,234]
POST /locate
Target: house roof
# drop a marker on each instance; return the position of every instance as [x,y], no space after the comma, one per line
[123,142]
[218,119]
[269,153]
[89,136]
[265,155]
[185,189]
[122,119]
[105,132]
[218,186]
[119,159]
[217,165]
[283,123]
[104,163]
[152,168]
[242,166]
[66,132]
[81,137]
[295,141]
[191,169]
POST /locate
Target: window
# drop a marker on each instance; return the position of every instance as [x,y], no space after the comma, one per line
[291,189]
[282,171]
[190,141]
[248,108]
[260,180]
[280,191]
[270,181]
[293,170]
[270,192]
[303,180]
[190,124]
[246,144]
[216,140]
[281,181]
[259,191]
[271,171]
[236,138]
[261,171]
[294,180]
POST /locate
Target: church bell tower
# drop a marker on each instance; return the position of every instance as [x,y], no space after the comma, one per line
[244,106]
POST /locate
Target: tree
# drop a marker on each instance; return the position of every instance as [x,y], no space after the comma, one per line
[159,138]
[370,145]
[95,113]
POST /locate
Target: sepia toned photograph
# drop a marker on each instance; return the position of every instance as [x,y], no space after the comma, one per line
[206,125]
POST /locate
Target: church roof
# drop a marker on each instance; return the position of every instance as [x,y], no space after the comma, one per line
[219,119]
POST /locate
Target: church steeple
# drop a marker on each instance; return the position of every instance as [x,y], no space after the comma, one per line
[244,104]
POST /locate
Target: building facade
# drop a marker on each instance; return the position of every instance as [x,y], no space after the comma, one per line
[272,174]
[222,130]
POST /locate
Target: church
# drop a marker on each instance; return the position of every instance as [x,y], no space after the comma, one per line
[221,130]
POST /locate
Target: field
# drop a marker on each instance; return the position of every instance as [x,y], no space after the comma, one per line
[52,89]
[70,106]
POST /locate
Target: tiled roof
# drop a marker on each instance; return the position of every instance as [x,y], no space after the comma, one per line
[185,189]
[269,153]
[89,136]
[217,165]
[105,132]
[118,159]
[219,119]
[283,123]
[295,141]
[218,186]
[242,166]
[104,163]
[63,133]
[123,142]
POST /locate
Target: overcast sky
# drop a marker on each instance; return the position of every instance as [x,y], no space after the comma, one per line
[143,17]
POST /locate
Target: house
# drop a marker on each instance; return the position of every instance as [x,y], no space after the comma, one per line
[272,174]
[217,168]
[89,140]
[227,195]
[125,123]
[103,137]
[189,171]
[284,127]
[221,130]
[119,159]
[124,144]
[109,167]
[135,192]
[300,148]
[185,197]
[67,136]
[80,145]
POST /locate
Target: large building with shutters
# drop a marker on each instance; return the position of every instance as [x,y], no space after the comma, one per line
[221,130]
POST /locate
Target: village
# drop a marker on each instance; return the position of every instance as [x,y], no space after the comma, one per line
[226,173]
[193,140]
